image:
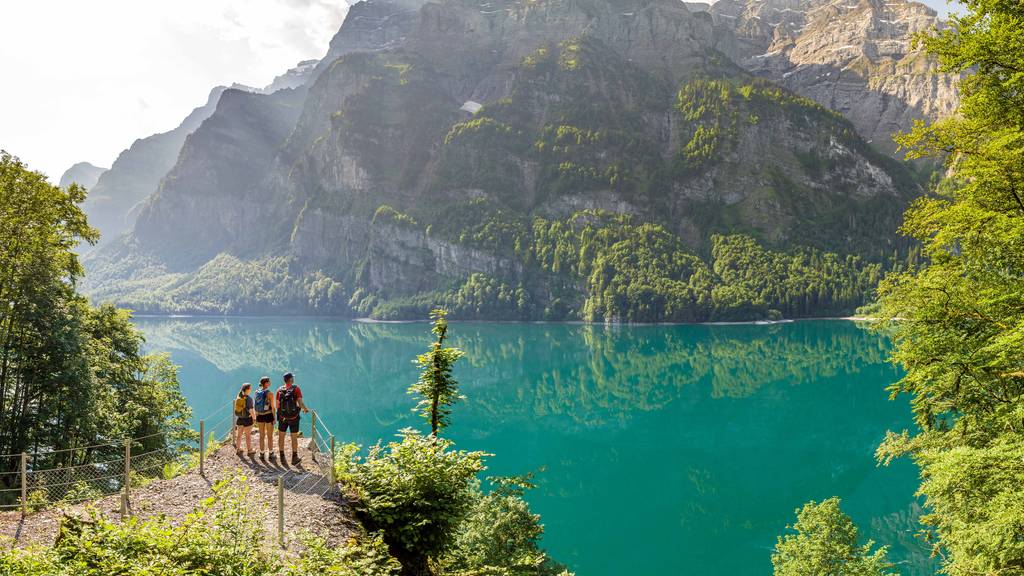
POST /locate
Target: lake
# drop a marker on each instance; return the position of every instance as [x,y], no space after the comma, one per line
[667,450]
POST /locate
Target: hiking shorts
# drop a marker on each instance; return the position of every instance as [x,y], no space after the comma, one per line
[267,418]
[247,421]
[286,426]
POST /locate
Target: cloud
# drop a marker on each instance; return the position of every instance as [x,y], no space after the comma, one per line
[94,76]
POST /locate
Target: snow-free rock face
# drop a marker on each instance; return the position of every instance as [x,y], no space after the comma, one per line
[852,56]
[137,172]
[83,173]
[372,177]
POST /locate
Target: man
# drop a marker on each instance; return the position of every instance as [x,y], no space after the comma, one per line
[289,402]
[264,408]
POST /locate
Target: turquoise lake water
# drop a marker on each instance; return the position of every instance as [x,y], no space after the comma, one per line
[667,450]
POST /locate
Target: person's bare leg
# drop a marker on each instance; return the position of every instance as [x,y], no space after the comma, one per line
[261,429]
[295,445]
[280,442]
[248,439]
[270,438]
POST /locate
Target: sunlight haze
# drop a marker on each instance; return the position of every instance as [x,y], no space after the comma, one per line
[92,77]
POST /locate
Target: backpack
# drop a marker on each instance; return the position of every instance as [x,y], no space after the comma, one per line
[263,401]
[287,406]
[240,410]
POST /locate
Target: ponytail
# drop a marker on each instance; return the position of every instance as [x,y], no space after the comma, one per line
[241,391]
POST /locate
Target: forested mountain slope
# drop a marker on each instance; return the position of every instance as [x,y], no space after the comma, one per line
[556,159]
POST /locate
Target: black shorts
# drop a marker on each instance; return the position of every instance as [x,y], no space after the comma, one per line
[244,421]
[267,418]
[284,426]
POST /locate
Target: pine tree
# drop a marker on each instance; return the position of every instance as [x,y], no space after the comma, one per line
[436,386]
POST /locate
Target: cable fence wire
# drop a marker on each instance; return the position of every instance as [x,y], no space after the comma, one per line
[56,484]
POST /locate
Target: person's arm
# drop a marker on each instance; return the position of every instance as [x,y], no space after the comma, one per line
[273,405]
[301,403]
[252,408]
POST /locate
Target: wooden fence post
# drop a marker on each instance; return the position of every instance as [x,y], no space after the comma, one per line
[24,484]
[280,511]
[331,463]
[202,447]
[127,471]
[312,433]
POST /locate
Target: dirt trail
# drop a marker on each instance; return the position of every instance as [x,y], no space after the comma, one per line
[311,503]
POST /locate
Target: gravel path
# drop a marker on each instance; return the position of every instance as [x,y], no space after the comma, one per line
[311,503]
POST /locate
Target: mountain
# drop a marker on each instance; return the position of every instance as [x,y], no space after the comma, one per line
[557,159]
[851,56]
[83,173]
[137,171]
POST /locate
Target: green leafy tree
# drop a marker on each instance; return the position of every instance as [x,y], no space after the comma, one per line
[825,544]
[436,386]
[958,323]
[71,375]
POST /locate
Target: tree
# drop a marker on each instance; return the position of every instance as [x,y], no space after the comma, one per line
[70,374]
[958,323]
[438,389]
[825,544]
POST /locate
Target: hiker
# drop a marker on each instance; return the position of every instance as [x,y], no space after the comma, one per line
[289,402]
[265,406]
[244,416]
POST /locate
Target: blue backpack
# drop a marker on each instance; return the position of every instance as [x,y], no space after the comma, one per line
[263,401]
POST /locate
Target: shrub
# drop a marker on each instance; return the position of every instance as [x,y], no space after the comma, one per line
[500,535]
[417,491]
[220,536]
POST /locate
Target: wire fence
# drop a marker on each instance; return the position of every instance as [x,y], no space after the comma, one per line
[127,464]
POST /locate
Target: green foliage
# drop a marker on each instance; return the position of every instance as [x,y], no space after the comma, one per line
[388,215]
[437,389]
[417,491]
[825,543]
[600,266]
[221,536]
[958,323]
[71,375]
[500,536]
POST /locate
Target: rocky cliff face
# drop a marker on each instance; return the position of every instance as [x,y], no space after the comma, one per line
[851,56]
[83,173]
[213,199]
[137,172]
[436,149]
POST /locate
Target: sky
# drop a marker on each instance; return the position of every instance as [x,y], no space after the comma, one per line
[83,80]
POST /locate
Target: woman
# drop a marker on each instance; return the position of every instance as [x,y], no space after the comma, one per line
[244,416]
[265,410]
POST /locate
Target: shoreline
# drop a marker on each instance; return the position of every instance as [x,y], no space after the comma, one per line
[568,322]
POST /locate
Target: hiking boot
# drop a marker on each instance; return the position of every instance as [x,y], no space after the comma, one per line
[296,460]
[283,459]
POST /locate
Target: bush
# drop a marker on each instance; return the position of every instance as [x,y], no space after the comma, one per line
[500,536]
[219,537]
[417,491]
